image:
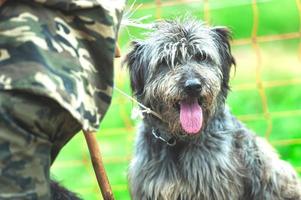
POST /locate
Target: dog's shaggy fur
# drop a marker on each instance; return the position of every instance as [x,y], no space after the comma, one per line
[223,160]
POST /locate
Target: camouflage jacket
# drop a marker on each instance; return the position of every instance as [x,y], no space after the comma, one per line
[62,49]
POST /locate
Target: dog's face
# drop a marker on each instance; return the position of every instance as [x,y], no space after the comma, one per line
[181,71]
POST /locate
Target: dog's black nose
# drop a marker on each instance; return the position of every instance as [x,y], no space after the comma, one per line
[193,86]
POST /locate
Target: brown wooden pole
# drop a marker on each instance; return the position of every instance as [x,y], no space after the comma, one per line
[99,169]
[2,2]
[98,166]
[117,51]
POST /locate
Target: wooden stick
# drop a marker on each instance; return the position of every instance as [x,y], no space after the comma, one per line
[2,2]
[117,51]
[98,166]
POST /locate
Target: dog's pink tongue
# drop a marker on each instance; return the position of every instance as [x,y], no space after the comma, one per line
[191,116]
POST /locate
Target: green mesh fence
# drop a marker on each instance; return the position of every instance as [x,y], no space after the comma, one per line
[265,95]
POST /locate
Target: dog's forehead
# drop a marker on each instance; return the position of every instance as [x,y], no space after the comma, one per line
[174,40]
[189,33]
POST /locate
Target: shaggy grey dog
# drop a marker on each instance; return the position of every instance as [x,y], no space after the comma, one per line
[198,149]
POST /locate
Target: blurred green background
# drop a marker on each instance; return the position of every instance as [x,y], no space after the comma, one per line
[266,85]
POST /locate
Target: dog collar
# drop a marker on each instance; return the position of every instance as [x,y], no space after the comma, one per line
[168,139]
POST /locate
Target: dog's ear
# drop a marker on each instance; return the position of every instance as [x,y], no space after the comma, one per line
[136,67]
[223,36]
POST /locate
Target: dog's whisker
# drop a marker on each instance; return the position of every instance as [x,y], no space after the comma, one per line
[145,108]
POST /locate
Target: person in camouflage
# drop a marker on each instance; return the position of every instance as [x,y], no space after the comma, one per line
[56,77]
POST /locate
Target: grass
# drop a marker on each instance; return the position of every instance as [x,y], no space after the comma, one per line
[279,64]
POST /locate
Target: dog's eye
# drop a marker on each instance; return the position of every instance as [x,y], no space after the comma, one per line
[200,56]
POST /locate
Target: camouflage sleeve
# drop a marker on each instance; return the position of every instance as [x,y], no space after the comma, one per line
[69,5]
[113,7]
[67,56]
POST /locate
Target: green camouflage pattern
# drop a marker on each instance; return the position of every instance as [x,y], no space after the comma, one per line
[62,49]
[33,130]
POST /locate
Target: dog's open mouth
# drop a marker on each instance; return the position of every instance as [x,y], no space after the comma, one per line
[191,116]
